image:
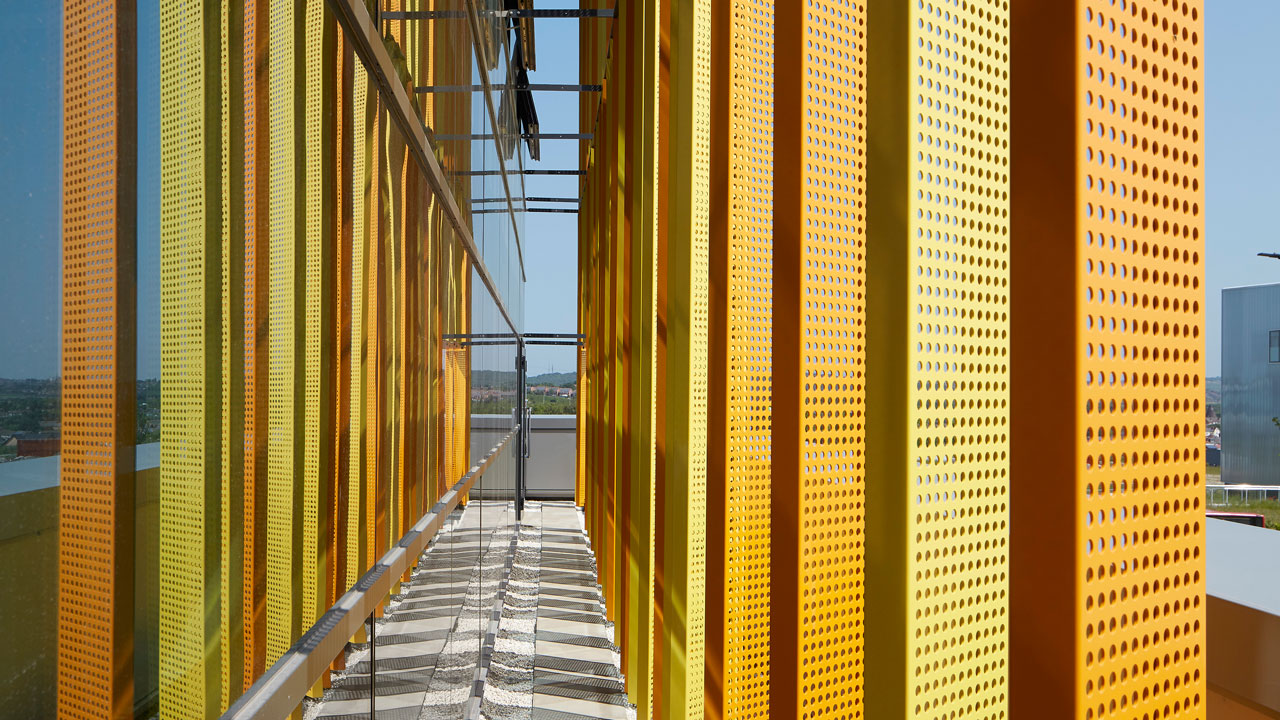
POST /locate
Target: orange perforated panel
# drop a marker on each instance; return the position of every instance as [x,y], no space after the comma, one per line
[581,405]
[1114,229]
[341,330]
[1140,193]
[375,339]
[741,362]
[231,351]
[95,538]
[457,366]
[817,471]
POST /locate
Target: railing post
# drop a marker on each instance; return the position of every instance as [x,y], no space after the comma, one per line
[522,417]
[373,666]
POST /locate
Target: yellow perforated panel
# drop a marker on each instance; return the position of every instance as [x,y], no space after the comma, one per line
[284,461]
[317,316]
[1140,193]
[358,557]
[190,241]
[682,294]
[700,201]
[958,361]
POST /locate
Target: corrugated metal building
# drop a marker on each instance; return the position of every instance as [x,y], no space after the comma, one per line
[1251,384]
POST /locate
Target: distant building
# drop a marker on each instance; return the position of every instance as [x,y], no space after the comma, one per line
[1251,385]
[38,444]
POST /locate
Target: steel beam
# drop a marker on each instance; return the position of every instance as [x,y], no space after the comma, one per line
[482,61]
[367,42]
[535,87]
[522,136]
[540,13]
[521,172]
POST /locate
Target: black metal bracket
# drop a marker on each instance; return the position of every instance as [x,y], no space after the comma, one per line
[443,137]
[534,87]
[520,172]
[548,13]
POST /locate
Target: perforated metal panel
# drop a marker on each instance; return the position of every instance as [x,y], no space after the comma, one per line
[190,241]
[317,317]
[256,187]
[358,557]
[1112,227]
[957,361]
[284,461]
[340,538]
[817,554]
[741,357]
[231,350]
[581,409]
[375,340]
[699,312]
[397,316]
[1139,199]
[96,501]
[228,471]
[637,354]
[683,296]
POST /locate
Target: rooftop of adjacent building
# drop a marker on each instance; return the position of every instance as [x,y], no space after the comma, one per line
[40,473]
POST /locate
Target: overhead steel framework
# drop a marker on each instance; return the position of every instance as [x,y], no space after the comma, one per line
[520,172]
[522,136]
[534,13]
[533,87]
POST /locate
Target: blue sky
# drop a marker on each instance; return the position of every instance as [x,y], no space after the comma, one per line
[1242,154]
[1242,187]
[550,240]
[30,178]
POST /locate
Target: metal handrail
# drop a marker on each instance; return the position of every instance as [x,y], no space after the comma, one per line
[281,688]
[1263,492]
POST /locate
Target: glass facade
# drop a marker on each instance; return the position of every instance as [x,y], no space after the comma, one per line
[273,303]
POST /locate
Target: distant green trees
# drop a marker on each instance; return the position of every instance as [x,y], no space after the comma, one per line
[540,405]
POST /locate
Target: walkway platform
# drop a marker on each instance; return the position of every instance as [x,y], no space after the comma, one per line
[500,620]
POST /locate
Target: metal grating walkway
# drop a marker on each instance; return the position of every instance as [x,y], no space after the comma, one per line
[498,621]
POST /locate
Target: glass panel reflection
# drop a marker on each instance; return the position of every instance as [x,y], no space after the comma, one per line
[249,347]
